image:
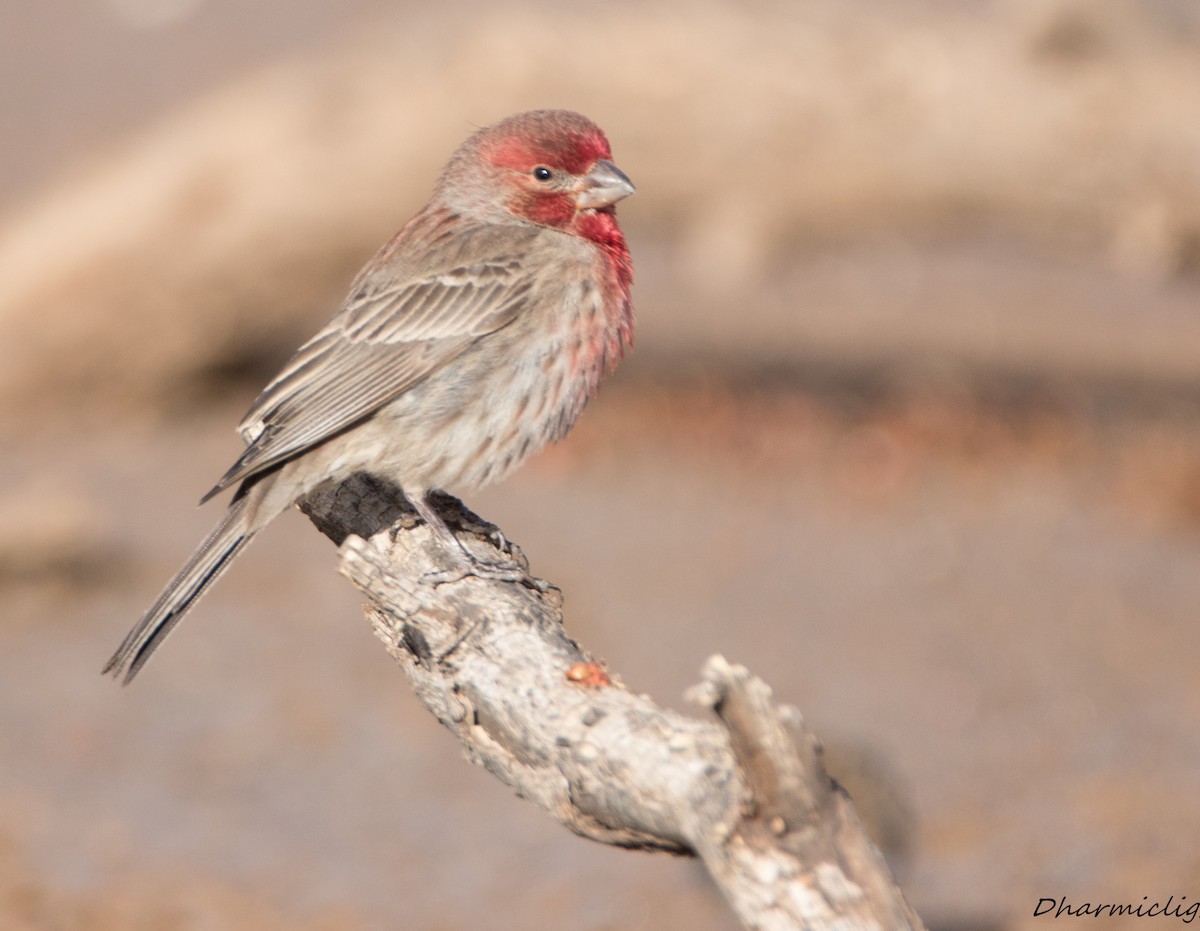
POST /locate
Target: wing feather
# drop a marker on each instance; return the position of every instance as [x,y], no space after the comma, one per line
[388,336]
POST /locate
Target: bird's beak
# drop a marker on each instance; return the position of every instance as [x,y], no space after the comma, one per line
[603,186]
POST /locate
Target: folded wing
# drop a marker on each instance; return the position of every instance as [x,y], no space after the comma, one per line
[389,335]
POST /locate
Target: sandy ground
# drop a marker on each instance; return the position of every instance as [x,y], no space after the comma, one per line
[913,433]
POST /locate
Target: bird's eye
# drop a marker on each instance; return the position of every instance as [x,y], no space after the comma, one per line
[542,173]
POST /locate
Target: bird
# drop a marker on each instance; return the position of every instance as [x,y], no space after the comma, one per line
[472,338]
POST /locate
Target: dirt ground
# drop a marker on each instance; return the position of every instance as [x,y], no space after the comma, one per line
[912,429]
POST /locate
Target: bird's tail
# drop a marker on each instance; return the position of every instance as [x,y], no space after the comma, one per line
[205,567]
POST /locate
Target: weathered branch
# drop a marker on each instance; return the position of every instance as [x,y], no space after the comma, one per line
[491,659]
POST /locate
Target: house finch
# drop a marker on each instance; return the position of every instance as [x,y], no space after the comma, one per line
[474,337]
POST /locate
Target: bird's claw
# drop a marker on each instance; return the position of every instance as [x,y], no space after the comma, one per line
[470,566]
[474,568]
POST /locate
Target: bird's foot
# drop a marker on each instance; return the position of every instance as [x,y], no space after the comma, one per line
[471,567]
[514,568]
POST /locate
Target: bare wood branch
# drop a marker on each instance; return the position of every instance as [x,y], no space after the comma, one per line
[491,660]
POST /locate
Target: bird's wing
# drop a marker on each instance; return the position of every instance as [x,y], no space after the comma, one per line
[388,336]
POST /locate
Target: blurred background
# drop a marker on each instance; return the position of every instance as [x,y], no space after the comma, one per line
[910,429]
